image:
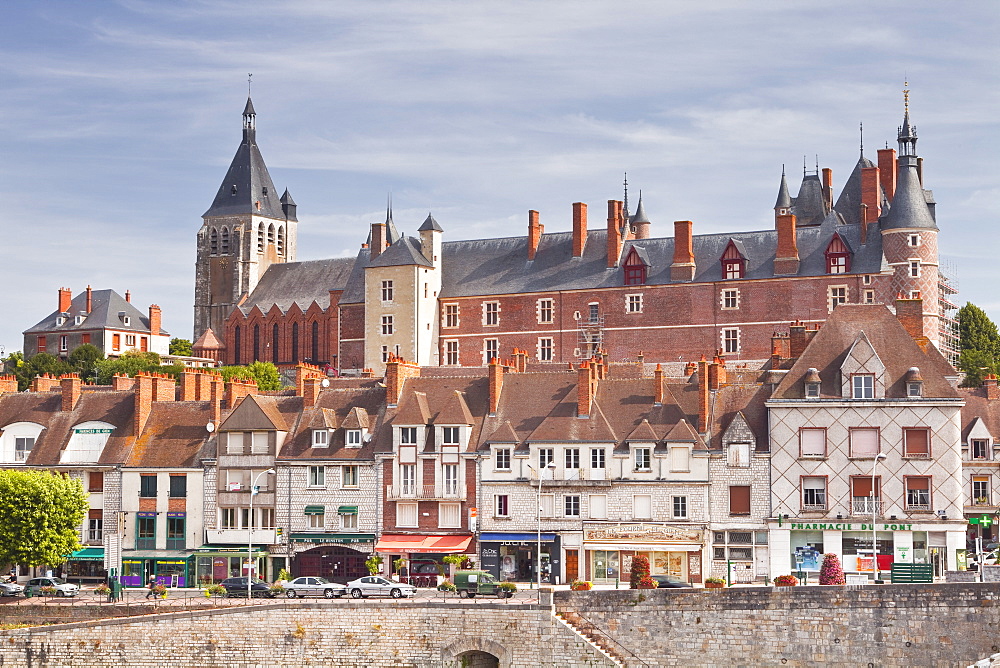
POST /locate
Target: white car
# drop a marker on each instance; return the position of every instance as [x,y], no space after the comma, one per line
[63,588]
[314,586]
[376,585]
[10,589]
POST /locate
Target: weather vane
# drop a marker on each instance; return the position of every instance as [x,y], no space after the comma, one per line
[249,82]
[906,95]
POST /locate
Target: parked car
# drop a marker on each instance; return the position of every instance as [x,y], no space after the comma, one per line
[314,586]
[63,588]
[376,585]
[669,582]
[238,587]
[470,583]
[10,589]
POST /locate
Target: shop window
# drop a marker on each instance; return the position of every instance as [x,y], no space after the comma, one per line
[813,493]
[812,442]
[918,493]
[980,449]
[502,505]
[501,459]
[864,442]
[981,490]
[739,500]
[917,443]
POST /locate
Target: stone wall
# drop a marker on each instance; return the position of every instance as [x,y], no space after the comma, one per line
[890,625]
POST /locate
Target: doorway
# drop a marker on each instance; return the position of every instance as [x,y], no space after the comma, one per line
[572,565]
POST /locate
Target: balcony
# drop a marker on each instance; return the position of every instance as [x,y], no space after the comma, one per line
[241,536]
[425,493]
[862,505]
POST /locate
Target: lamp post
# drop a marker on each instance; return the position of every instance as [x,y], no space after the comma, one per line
[538,556]
[250,559]
[879,457]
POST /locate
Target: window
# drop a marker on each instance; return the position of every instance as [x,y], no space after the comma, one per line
[502,505]
[41,343]
[730,299]
[812,389]
[317,476]
[95,526]
[572,456]
[225,241]
[228,518]
[349,521]
[147,486]
[406,514]
[451,352]
[738,454]
[280,246]
[321,438]
[642,459]
[863,386]
[633,303]
[866,279]
[812,442]
[317,517]
[175,533]
[914,240]
[545,311]
[95,481]
[733,263]
[450,515]
[917,443]
[980,449]
[449,436]
[642,506]
[731,340]
[545,455]
[260,233]
[813,493]
[407,435]
[258,445]
[386,325]
[837,296]
[597,458]
[864,442]
[116,342]
[837,256]
[502,459]
[64,343]
[680,459]
[491,350]
[408,478]
[571,505]
[178,486]
[22,448]
[915,268]
[861,496]
[635,274]
[980,490]
[598,506]
[385,354]
[869,296]
[348,476]
[450,475]
[680,507]
[213,243]
[595,312]
[451,315]
[918,492]
[546,506]
[491,314]
[739,500]
[129,341]
[914,389]
[545,349]
[386,291]
[145,532]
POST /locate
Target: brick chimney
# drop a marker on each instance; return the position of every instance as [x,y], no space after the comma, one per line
[311,388]
[380,240]
[122,383]
[714,380]
[65,300]
[796,339]
[658,385]
[871,194]
[887,171]
[128,296]
[189,385]
[703,396]
[910,313]
[143,401]
[8,384]
[615,238]
[215,393]
[44,383]
[237,389]
[586,384]
[90,300]
[579,228]
[535,230]
[367,373]
[397,371]
[683,266]
[496,371]
[828,188]
[164,387]
[304,372]
[992,390]
[786,260]
[70,384]
[154,320]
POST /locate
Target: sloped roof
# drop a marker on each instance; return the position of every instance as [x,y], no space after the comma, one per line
[208,341]
[105,307]
[404,252]
[174,435]
[849,201]
[909,203]
[302,283]
[413,410]
[257,412]
[348,400]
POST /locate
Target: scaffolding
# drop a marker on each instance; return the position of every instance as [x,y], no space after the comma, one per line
[590,336]
[948,310]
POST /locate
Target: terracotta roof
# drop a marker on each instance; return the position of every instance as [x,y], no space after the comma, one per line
[349,402]
[174,435]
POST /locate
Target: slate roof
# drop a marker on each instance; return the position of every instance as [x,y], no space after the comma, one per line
[808,205]
[978,406]
[302,283]
[404,252]
[105,305]
[909,204]
[437,397]
[430,224]
[849,201]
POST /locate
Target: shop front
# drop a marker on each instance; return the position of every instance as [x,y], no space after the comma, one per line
[171,568]
[671,550]
[214,564]
[336,557]
[799,545]
[514,556]
[86,564]
[422,555]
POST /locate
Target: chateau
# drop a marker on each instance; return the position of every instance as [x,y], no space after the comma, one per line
[562,296]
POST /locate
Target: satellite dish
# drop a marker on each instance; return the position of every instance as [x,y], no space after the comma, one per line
[368,437]
[210,427]
[325,382]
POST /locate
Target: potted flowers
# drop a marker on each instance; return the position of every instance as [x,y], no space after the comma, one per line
[785,581]
[508,588]
[581,585]
[159,591]
[715,583]
[831,572]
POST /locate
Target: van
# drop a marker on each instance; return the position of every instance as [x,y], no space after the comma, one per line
[470,583]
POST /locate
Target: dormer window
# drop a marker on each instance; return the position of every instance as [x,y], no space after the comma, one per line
[863,386]
[60,321]
[127,320]
[321,438]
[643,460]
[838,256]
[635,267]
[812,383]
[354,438]
[449,436]
[733,262]
[78,320]
[407,435]
[914,383]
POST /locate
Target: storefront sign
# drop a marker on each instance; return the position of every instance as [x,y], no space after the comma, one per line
[642,533]
[841,526]
[92,431]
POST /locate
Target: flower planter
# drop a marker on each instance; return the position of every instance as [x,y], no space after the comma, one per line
[715,585]
[581,586]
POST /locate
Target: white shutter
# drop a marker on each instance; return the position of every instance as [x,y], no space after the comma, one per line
[813,442]
[598,506]
[864,442]
[679,459]
[642,505]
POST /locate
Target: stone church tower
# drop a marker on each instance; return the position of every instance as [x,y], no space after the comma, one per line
[248,228]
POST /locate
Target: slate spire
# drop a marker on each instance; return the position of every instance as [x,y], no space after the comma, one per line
[784,200]
[909,205]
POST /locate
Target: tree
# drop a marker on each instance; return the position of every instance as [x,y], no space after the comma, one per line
[265,374]
[639,576]
[129,364]
[40,364]
[84,361]
[979,344]
[40,517]
[181,347]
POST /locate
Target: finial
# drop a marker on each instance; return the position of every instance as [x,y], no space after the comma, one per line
[782,170]
[803,166]
[862,132]
[817,164]
[249,82]
[388,207]
[906,95]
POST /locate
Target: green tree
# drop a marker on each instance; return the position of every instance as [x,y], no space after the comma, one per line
[265,374]
[129,364]
[40,515]
[84,361]
[979,344]
[27,369]
[181,347]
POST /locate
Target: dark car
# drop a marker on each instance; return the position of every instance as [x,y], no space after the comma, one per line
[238,587]
[669,582]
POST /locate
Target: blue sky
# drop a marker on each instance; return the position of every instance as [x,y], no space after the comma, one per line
[118,121]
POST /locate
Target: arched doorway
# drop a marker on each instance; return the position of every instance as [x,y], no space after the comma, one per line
[477,659]
[475,652]
[333,562]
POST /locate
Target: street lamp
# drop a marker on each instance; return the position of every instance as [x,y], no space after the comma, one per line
[250,560]
[879,457]
[538,557]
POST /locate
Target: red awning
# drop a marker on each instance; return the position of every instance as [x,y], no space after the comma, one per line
[404,544]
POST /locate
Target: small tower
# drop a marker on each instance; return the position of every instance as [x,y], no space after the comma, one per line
[786,257]
[248,228]
[640,222]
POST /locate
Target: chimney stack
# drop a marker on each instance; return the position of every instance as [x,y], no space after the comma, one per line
[90,300]
[579,228]
[154,320]
[128,296]
[992,391]
[380,240]
[871,195]
[658,385]
[44,383]
[496,371]
[311,387]
[8,384]
[683,266]
[189,389]
[887,171]
[910,313]
[703,396]
[143,401]
[535,230]
[828,188]
[65,300]
[786,260]
[237,389]
[586,384]
[397,371]
[70,384]
[615,239]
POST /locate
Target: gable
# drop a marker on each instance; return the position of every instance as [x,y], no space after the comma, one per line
[250,416]
[862,359]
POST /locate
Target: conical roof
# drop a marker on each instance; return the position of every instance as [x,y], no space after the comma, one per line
[784,200]
[430,224]
[640,213]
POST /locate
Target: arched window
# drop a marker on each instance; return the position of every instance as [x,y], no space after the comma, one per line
[213,242]
[225,241]
[256,343]
[260,238]
[236,345]
[281,240]
[315,342]
[270,234]
[838,256]
[274,343]
[295,342]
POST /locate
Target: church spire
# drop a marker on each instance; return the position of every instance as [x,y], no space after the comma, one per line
[784,200]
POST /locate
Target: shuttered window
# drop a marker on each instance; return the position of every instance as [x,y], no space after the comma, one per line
[864,442]
[739,500]
[812,442]
[917,443]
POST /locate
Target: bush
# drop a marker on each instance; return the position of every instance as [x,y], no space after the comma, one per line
[215,590]
[715,581]
[448,586]
[160,590]
[284,575]
[831,573]
[640,571]
[102,589]
[276,589]
[646,582]
[785,581]
[508,587]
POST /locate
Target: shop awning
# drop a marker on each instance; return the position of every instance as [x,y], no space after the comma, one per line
[501,537]
[402,544]
[88,554]
[342,538]
[347,510]
[315,510]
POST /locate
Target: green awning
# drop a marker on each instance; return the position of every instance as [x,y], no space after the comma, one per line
[315,510]
[341,538]
[88,554]
[348,510]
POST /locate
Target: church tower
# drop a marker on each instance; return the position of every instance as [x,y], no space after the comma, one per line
[248,228]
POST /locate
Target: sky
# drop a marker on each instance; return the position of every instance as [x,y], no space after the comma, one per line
[118,121]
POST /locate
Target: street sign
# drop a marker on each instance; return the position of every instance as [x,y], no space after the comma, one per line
[983,521]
